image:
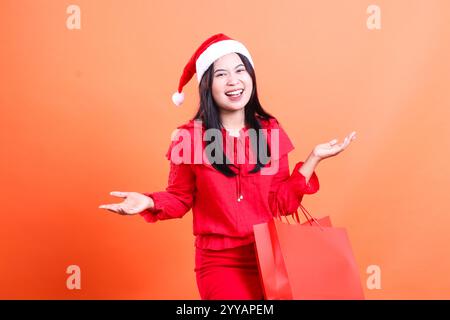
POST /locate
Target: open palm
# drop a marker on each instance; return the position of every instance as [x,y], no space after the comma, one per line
[332,148]
[134,203]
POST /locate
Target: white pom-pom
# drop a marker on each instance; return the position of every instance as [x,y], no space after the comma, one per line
[178,98]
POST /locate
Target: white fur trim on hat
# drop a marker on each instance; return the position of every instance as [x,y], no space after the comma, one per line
[217,50]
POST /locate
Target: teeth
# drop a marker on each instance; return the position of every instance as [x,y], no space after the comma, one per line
[234,93]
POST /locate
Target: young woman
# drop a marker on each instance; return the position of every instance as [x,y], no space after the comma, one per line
[230,165]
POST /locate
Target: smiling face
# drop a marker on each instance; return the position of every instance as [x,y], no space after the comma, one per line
[232,85]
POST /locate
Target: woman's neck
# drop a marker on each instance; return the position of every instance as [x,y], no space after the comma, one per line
[233,120]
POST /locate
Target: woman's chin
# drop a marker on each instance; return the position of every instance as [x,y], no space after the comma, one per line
[236,106]
[232,108]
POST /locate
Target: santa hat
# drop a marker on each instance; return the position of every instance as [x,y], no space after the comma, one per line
[209,51]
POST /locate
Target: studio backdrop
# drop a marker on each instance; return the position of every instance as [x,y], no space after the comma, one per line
[85,98]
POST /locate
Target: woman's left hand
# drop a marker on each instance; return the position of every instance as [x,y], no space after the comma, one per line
[332,148]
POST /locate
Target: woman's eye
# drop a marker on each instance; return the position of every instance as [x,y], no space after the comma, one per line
[219,74]
[241,70]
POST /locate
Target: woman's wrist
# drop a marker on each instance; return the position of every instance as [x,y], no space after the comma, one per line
[313,159]
[309,166]
[151,203]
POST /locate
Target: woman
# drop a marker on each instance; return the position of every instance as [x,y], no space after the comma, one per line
[234,175]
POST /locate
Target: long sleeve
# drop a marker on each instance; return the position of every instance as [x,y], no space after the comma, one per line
[177,199]
[287,190]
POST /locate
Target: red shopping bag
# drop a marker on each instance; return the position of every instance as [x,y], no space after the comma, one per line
[312,260]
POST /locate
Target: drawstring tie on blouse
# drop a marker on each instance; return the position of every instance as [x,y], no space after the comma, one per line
[238,186]
[239,195]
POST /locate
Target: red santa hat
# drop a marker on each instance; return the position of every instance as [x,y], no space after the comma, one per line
[209,51]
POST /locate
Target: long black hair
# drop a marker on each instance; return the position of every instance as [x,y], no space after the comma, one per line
[208,113]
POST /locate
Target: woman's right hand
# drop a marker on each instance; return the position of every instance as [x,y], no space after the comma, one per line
[134,203]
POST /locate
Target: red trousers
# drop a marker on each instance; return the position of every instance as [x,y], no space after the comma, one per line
[230,274]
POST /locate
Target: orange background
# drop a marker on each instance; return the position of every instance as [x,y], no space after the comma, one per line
[85,112]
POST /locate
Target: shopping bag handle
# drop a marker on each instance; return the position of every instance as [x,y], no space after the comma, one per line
[308,216]
[279,217]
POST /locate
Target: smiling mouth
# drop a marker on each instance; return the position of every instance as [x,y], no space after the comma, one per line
[235,93]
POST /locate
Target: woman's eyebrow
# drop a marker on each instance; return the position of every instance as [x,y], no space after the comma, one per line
[226,70]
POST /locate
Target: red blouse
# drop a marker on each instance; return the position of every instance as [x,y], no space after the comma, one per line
[226,208]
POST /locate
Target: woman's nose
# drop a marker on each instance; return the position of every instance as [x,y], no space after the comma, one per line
[232,80]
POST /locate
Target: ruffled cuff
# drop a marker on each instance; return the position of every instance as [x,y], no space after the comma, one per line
[151,214]
[298,181]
